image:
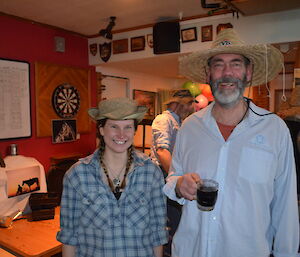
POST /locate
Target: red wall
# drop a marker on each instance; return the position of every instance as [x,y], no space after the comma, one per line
[22,40]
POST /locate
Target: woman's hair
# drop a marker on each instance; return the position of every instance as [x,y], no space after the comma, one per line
[101,123]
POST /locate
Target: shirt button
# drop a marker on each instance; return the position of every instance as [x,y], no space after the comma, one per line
[214,218]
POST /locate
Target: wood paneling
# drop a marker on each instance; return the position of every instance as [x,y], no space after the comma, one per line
[48,77]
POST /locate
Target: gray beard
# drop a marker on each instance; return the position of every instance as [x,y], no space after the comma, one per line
[228,100]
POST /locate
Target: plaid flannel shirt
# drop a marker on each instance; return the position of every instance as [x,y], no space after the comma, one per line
[99,225]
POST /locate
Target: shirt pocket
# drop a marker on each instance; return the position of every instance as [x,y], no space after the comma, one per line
[95,210]
[256,165]
[137,210]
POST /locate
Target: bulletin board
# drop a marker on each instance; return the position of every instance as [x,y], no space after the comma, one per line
[48,78]
[15,115]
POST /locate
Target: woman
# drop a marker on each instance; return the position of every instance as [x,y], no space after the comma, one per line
[112,203]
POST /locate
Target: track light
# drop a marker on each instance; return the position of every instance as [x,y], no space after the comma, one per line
[107,33]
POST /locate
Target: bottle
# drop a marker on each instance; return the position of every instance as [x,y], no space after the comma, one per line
[13,149]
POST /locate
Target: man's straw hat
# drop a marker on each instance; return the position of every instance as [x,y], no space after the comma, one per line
[119,108]
[263,57]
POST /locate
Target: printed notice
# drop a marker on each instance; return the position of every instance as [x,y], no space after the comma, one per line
[14,99]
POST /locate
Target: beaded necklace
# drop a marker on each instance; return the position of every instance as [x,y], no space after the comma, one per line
[115,186]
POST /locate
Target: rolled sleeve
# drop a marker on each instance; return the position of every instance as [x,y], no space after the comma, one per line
[161,133]
[69,214]
[159,235]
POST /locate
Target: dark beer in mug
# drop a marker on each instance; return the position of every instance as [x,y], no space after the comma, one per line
[207,193]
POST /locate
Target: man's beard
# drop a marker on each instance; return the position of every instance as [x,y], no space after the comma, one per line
[224,98]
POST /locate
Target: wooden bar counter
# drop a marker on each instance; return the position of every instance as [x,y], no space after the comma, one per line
[32,239]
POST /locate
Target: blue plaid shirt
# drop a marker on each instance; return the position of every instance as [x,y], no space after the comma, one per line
[99,225]
[164,132]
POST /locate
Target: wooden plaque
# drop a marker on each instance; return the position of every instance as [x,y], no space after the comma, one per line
[48,77]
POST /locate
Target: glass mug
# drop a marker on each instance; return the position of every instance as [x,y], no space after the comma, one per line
[207,193]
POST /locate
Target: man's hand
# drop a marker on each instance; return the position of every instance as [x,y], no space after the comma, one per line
[187,186]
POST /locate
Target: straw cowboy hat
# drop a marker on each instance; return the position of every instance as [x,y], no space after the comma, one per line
[291,109]
[263,57]
[120,108]
[182,96]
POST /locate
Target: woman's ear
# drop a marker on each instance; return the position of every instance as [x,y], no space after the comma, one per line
[101,131]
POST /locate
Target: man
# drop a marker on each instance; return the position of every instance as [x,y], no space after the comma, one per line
[246,149]
[164,131]
[166,125]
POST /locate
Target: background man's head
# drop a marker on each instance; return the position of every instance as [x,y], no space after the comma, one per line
[182,103]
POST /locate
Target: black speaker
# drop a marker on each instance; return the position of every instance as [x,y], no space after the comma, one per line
[166,37]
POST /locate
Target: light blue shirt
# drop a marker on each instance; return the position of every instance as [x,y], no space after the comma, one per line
[164,132]
[257,199]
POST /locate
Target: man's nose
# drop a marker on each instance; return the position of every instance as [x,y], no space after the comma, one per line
[227,70]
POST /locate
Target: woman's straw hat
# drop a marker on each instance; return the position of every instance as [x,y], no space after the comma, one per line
[263,57]
[120,108]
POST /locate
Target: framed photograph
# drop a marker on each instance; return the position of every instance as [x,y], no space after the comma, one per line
[137,43]
[148,99]
[120,46]
[150,40]
[222,26]
[188,35]
[63,131]
[15,113]
[206,33]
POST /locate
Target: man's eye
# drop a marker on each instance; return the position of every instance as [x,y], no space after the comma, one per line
[236,64]
[218,65]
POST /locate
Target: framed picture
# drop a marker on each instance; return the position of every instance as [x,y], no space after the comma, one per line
[137,43]
[222,26]
[188,35]
[150,40]
[148,99]
[63,131]
[120,46]
[206,33]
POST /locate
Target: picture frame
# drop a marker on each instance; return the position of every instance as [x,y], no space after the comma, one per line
[148,99]
[150,40]
[137,43]
[63,131]
[206,33]
[188,35]
[223,26]
[120,46]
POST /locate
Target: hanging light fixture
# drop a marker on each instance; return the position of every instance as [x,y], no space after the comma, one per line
[107,32]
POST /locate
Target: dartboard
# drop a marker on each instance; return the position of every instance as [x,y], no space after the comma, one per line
[66,101]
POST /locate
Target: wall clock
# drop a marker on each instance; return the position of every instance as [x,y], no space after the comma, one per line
[66,101]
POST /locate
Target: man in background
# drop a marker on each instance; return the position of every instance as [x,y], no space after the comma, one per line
[164,131]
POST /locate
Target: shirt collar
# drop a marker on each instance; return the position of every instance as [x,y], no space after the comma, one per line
[175,115]
[93,159]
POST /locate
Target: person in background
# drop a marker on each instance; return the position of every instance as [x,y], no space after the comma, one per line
[112,202]
[246,149]
[164,131]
